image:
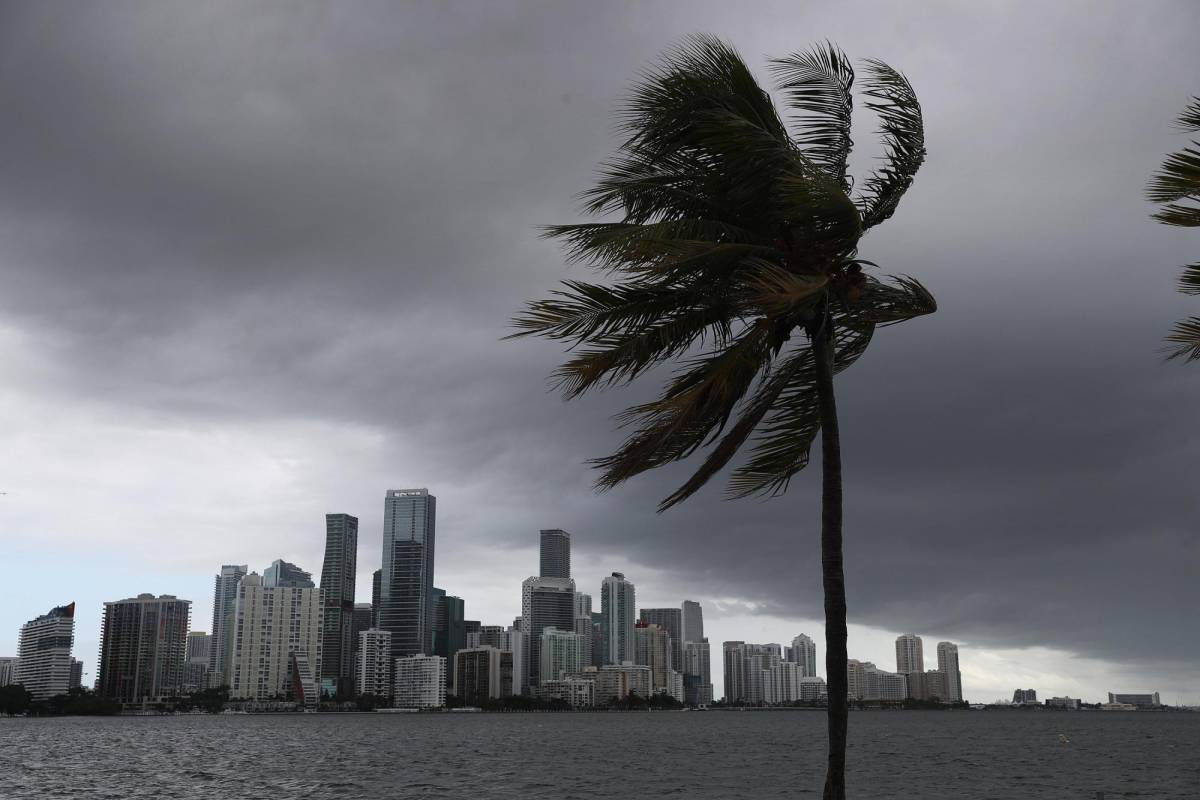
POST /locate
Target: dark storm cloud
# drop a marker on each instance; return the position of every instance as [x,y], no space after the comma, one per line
[329,212]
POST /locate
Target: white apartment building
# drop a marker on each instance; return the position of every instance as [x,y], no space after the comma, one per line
[560,652]
[373,667]
[420,682]
[268,625]
[947,653]
[803,652]
[578,692]
[44,653]
[910,656]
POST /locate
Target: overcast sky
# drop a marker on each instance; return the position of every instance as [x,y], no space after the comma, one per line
[256,261]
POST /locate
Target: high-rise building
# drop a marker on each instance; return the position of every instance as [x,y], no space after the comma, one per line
[927,685]
[76,674]
[1025,697]
[652,648]
[782,684]
[617,604]
[406,586]
[697,673]
[361,621]
[803,652]
[283,574]
[555,554]
[947,654]
[143,649]
[269,625]
[670,620]
[225,586]
[8,670]
[865,681]
[693,621]
[909,653]
[373,670]
[583,629]
[195,665]
[559,651]
[583,604]
[482,673]
[545,603]
[599,640]
[44,653]
[449,625]
[376,592]
[746,666]
[337,588]
[420,682]
[617,681]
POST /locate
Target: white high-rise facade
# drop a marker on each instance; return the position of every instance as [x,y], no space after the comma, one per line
[374,663]
[269,625]
[420,682]
[697,673]
[909,653]
[44,653]
[618,605]
[803,652]
[560,651]
[947,653]
[225,586]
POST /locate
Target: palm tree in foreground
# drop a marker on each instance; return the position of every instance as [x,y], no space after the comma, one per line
[736,256]
[1177,187]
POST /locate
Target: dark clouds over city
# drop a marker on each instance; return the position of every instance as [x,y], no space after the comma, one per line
[256,262]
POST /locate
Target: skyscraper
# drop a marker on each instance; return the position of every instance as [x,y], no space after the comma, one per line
[555,554]
[44,653]
[362,621]
[224,596]
[449,625]
[406,585]
[376,593]
[670,620]
[947,654]
[803,652]
[8,670]
[693,621]
[697,673]
[618,603]
[337,588]
[560,651]
[76,674]
[284,574]
[195,667]
[482,673]
[909,655]
[274,630]
[652,648]
[143,649]
[545,603]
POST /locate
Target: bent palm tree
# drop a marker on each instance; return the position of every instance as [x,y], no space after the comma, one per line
[1177,187]
[736,255]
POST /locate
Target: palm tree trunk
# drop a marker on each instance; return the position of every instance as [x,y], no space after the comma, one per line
[832,575]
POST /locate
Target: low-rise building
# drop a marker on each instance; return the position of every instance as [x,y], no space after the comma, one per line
[577,692]
[1138,700]
[1070,703]
[420,682]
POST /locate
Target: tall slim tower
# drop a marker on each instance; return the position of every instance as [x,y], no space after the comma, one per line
[337,588]
[224,596]
[693,621]
[545,603]
[555,554]
[804,652]
[143,648]
[947,653]
[909,653]
[406,584]
[44,653]
[618,604]
[670,620]
[376,594]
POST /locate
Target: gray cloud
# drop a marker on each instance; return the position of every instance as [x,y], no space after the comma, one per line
[328,213]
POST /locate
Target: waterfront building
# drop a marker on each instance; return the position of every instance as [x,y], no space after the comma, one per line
[803,652]
[813,688]
[576,692]
[406,585]
[560,651]
[8,670]
[195,661]
[1022,697]
[449,625]
[617,681]
[617,605]
[947,654]
[1139,700]
[745,665]
[338,571]
[555,554]
[927,685]
[373,664]
[420,682]
[652,648]
[225,585]
[856,678]
[76,674]
[269,626]
[44,653]
[670,620]
[583,629]
[482,673]
[697,673]
[1069,703]
[545,603]
[693,621]
[283,574]
[143,649]
[910,655]
[781,685]
[674,686]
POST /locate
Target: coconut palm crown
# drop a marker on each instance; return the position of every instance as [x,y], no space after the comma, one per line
[1177,188]
[736,255]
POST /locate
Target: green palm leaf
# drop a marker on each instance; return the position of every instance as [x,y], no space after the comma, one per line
[902,129]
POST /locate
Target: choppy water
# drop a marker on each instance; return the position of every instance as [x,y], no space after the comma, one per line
[722,755]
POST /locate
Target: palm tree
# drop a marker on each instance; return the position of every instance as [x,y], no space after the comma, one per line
[735,256]
[1177,188]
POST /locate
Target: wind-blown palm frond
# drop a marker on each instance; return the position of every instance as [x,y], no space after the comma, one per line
[1176,187]
[817,83]
[902,129]
[732,237]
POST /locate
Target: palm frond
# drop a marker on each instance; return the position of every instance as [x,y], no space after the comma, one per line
[582,310]
[902,130]
[1189,279]
[1177,183]
[1184,340]
[817,83]
[886,304]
